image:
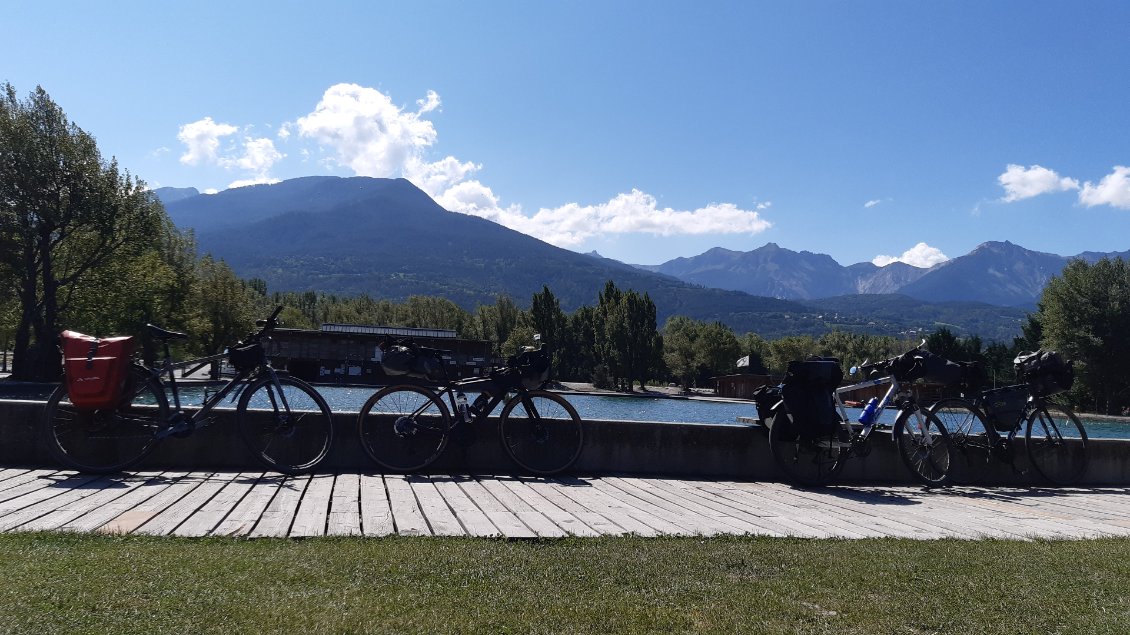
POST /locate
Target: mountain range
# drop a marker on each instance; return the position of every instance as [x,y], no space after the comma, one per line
[387,238]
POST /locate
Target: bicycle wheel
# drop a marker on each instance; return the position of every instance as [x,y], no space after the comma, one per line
[970,441]
[541,432]
[404,428]
[1057,444]
[809,461]
[286,425]
[924,445]
[111,439]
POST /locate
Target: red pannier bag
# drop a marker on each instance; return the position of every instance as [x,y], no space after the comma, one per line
[95,369]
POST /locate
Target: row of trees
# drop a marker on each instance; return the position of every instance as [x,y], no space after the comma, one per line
[85,245]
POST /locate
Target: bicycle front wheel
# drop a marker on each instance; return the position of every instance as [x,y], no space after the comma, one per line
[970,440]
[1057,444]
[285,423]
[924,445]
[541,432]
[108,440]
[404,428]
[810,460]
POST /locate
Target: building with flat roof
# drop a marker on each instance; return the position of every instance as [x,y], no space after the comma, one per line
[351,354]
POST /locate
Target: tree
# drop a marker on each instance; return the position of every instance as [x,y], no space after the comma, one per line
[1083,314]
[757,349]
[680,348]
[790,348]
[548,320]
[64,214]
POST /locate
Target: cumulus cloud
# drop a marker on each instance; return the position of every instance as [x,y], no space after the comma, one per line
[920,255]
[369,134]
[1113,190]
[633,212]
[872,203]
[362,130]
[1020,183]
[202,140]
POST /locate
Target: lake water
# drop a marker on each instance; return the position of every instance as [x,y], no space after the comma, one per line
[636,408]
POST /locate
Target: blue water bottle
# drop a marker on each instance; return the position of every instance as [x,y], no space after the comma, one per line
[867,417]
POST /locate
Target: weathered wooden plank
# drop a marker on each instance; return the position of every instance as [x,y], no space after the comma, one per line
[30,482]
[699,517]
[406,513]
[539,524]
[9,477]
[42,497]
[313,512]
[758,496]
[708,501]
[241,520]
[133,518]
[345,506]
[554,493]
[541,506]
[496,513]
[584,494]
[685,523]
[71,495]
[376,511]
[440,517]
[278,516]
[103,491]
[216,509]
[174,515]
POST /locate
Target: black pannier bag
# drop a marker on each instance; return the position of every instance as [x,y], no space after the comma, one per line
[1046,372]
[766,399]
[1005,406]
[808,395]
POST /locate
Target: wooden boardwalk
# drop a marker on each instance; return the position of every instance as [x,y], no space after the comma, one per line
[253,504]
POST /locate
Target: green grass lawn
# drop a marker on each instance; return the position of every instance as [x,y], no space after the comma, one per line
[61,583]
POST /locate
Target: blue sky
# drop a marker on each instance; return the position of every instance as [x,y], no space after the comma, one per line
[643,130]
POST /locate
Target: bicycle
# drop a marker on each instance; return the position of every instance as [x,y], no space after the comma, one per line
[984,426]
[405,427]
[811,437]
[283,420]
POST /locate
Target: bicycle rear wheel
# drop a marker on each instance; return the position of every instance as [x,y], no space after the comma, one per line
[970,440]
[811,461]
[108,440]
[404,428]
[286,425]
[541,432]
[1057,444]
[924,445]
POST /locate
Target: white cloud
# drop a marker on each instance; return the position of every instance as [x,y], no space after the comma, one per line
[920,255]
[634,212]
[872,203]
[1020,183]
[1113,190]
[202,139]
[362,130]
[370,135]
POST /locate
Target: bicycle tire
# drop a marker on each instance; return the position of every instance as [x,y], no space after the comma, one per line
[398,442]
[291,436]
[808,461]
[971,442]
[926,453]
[1056,444]
[107,440]
[541,432]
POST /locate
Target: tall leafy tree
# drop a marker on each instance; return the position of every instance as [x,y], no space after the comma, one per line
[1084,313]
[64,214]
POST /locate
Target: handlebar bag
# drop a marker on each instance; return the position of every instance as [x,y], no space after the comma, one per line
[1046,372]
[245,357]
[95,369]
[534,367]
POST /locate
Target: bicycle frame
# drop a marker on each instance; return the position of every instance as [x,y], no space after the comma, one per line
[166,377]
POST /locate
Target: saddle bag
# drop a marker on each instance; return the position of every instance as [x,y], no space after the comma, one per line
[95,369]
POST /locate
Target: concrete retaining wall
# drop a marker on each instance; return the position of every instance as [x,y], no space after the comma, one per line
[683,450]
